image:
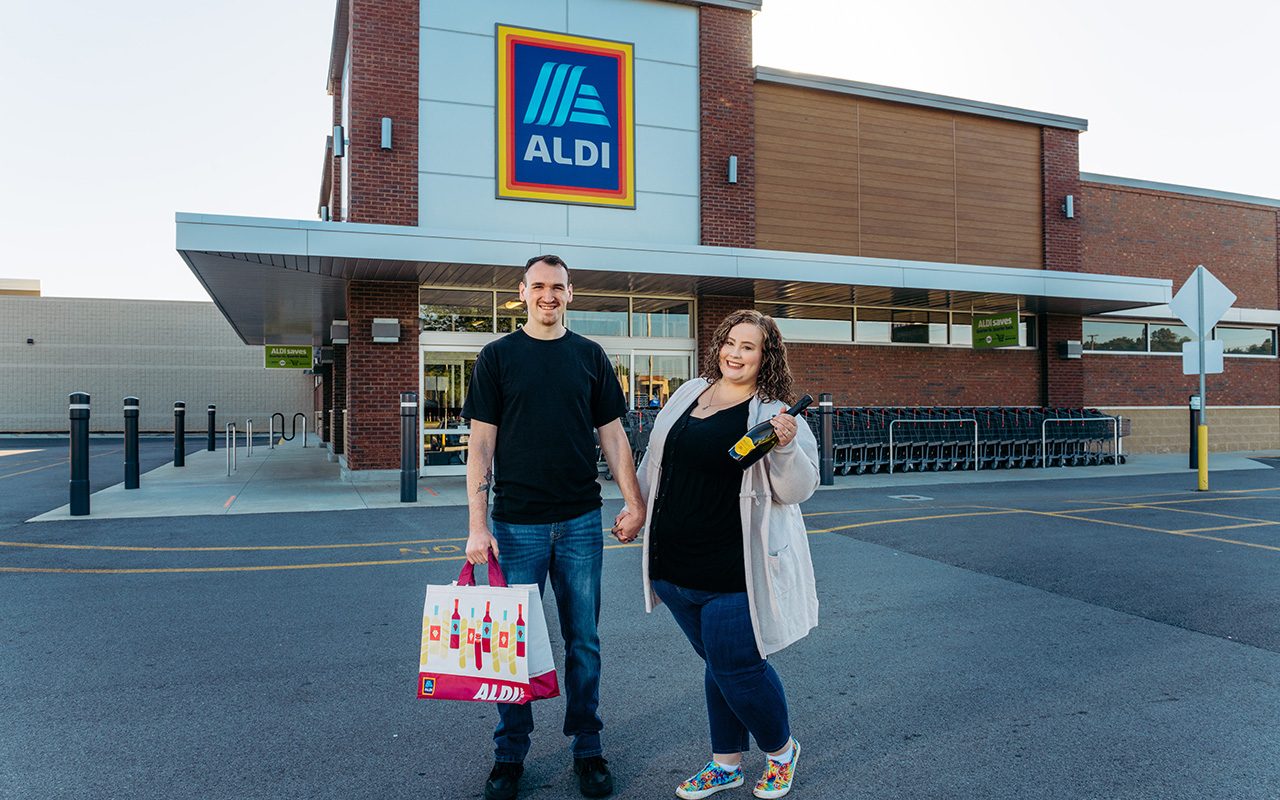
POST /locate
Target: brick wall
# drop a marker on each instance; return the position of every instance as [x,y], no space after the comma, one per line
[1060,163]
[338,398]
[712,309]
[335,164]
[1158,381]
[727,91]
[378,373]
[916,376]
[1165,430]
[1063,383]
[1131,231]
[384,83]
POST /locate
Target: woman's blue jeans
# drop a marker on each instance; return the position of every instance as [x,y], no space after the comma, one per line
[744,694]
[571,554]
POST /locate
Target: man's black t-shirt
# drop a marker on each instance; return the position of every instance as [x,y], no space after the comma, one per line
[546,397]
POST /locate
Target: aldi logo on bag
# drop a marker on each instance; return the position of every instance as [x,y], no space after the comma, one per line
[566,132]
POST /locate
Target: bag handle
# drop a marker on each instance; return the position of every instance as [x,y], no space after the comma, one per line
[468,575]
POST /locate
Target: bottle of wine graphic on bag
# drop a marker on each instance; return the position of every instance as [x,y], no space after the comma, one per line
[762,438]
[434,630]
[455,627]
[519,630]
[486,629]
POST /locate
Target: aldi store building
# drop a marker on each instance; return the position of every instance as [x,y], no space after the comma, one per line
[636,139]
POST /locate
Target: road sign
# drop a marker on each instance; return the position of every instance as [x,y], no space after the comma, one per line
[1191,358]
[995,330]
[288,356]
[1217,299]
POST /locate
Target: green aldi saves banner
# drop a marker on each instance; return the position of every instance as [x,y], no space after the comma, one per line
[288,356]
[995,330]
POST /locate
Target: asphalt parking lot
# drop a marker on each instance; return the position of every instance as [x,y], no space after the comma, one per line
[1044,638]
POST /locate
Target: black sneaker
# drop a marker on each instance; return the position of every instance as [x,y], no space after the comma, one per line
[594,779]
[504,780]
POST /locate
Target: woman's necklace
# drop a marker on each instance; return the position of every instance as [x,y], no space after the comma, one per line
[709,403]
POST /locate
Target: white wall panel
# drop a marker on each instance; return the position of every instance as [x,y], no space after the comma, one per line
[461,139]
[456,203]
[667,161]
[661,31]
[667,219]
[667,95]
[457,131]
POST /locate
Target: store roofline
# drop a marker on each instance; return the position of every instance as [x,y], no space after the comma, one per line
[1173,188]
[262,271]
[915,98]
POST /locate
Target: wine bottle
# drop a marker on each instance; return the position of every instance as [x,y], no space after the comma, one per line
[455,627]
[486,629]
[762,438]
[519,630]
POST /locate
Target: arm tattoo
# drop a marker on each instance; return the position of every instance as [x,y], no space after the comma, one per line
[487,482]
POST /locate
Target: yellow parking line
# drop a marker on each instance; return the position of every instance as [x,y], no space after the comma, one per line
[135,549]
[256,568]
[1188,534]
[1207,514]
[1227,527]
[915,519]
[35,469]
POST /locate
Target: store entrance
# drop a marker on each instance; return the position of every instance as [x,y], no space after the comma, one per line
[647,376]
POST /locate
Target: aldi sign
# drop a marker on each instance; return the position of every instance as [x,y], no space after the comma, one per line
[566,131]
[288,356]
[995,330]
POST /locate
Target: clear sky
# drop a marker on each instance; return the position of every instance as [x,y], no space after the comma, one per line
[119,114]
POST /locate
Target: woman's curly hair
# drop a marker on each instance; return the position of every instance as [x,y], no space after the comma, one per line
[774,381]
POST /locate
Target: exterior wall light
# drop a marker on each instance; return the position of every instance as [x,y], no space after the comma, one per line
[338,331]
[733,169]
[386,133]
[385,331]
[339,142]
[1069,206]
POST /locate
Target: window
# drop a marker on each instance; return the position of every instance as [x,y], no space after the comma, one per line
[918,327]
[813,323]
[597,316]
[1126,337]
[962,329]
[873,325]
[453,310]
[511,312]
[1168,338]
[663,318]
[1247,341]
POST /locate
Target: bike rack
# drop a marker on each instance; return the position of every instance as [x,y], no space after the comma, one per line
[232,443]
[934,422]
[294,433]
[1115,435]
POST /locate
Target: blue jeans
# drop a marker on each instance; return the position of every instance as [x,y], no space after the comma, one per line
[571,553]
[744,694]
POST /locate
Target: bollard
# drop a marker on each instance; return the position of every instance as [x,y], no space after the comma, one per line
[212,444]
[131,474]
[179,434]
[408,453]
[1193,439]
[78,411]
[827,462]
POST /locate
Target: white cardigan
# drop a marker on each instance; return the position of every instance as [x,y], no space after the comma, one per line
[781,592]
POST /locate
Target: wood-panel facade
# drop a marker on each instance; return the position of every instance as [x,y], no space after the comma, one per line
[842,174]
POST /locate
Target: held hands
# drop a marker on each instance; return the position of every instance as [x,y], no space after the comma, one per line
[785,426]
[479,543]
[627,525]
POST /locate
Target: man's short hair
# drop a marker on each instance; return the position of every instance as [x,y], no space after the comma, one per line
[552,260]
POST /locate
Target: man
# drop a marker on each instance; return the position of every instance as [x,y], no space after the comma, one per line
[535,396]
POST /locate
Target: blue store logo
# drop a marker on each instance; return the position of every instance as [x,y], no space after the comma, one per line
[560,91]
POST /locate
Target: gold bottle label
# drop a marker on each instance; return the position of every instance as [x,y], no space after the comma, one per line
[744,446]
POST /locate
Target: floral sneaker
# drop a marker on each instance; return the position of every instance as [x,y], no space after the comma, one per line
[711,779]
[777,777]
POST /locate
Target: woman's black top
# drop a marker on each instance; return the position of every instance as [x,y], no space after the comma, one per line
[696,533]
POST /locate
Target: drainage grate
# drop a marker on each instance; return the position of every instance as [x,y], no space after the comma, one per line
[910,498]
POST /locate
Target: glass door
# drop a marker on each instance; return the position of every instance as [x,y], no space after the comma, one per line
[445,379]
[657,376]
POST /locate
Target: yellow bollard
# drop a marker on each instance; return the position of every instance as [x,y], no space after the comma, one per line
[1202,438]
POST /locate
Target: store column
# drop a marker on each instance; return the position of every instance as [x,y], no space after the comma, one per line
[377,372]
[1062,379]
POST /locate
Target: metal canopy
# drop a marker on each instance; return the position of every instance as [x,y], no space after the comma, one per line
[284,281]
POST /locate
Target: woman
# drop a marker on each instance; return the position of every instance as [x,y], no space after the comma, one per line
[726,548]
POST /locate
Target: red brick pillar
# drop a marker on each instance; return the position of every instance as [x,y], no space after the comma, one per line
[384,83]
[727,90]
[1062,379]
[712,309]
[378,372]
[338,398]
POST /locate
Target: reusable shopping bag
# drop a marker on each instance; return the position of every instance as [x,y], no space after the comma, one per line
[486,644]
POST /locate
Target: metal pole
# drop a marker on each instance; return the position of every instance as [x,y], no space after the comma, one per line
[304,430]
[1193,449]
[131,476]
[248,438]
[78,412]
[271,432]
[179,434]
[827,463]
[409,455]
[230,446]
[213,428]
[1202,433]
